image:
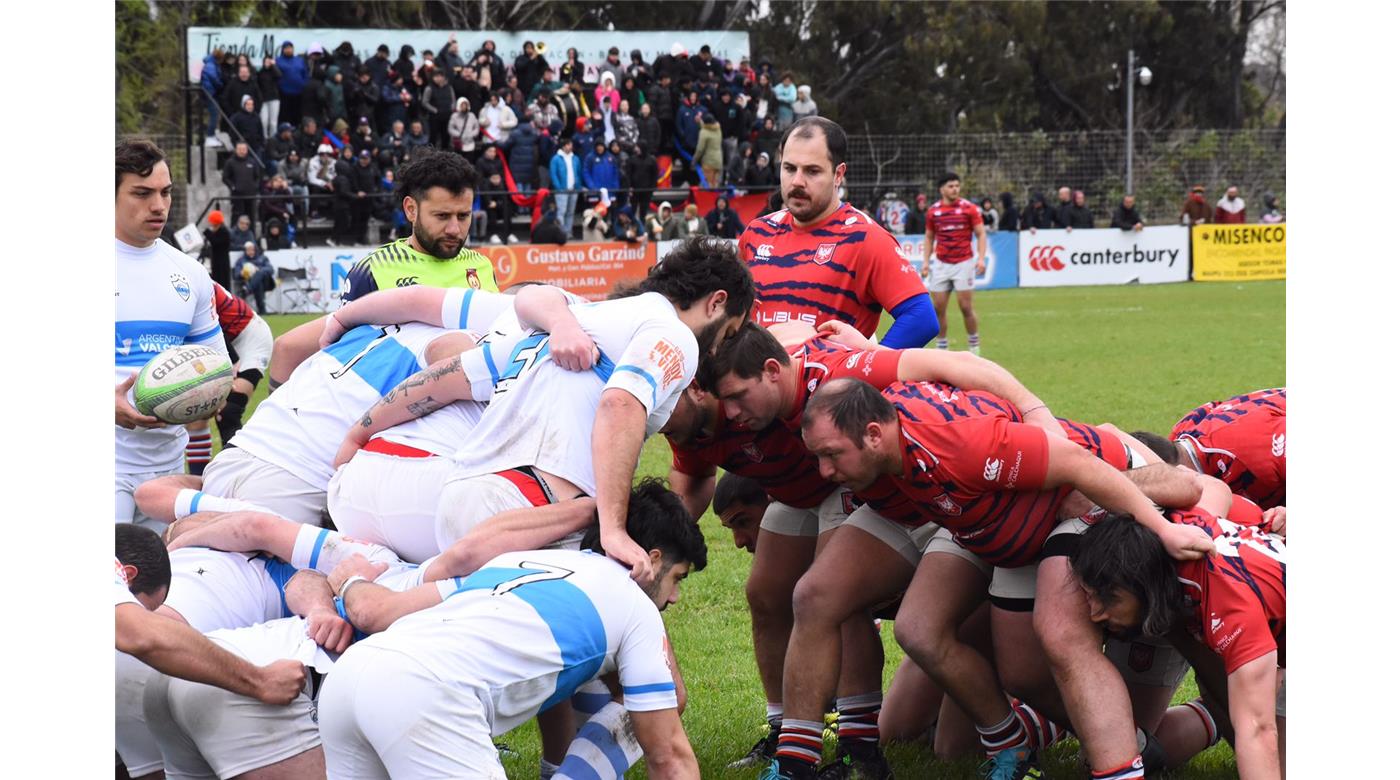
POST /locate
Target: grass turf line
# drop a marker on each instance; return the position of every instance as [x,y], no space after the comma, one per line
[1139,356]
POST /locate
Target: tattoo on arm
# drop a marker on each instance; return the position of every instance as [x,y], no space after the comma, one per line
[446,369]
[425,406]
[366,421]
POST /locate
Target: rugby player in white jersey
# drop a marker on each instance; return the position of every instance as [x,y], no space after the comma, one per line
[164,299]
[281,459]
[549,433]
[518,636]
[142,579]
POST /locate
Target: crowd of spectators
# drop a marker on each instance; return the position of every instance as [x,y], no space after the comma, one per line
[318,134]
[1070,211]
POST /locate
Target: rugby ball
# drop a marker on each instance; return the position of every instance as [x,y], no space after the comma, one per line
[183,384]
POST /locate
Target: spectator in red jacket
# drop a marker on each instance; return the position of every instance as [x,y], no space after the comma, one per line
[1230,209]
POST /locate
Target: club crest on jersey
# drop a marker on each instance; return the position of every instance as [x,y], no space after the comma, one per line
[824,253]
[1140,656]
[753,452]
[947,504]
[181,285]
[812,386]
[473,281]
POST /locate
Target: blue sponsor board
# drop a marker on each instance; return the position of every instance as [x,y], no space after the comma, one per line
[1002,269]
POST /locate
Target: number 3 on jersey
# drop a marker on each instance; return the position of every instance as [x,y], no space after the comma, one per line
[528,351]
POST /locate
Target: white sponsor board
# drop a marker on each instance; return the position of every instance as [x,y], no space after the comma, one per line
[1059,258]
[259,42]
[326,268]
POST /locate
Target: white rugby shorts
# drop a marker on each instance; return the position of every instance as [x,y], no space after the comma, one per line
[788,520]
[234,473]
[944,277]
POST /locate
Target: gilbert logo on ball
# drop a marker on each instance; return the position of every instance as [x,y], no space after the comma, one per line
[183,383]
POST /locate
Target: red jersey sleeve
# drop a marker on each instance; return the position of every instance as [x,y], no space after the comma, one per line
[688,461]
[984,454]
[884,276]
[876,367]
[974,213]
[1234,625]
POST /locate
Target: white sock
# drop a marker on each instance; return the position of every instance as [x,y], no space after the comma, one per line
[605,747]
[547,769]
[189,501]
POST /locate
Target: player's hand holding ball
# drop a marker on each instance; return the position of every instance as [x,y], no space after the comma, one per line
[127,416]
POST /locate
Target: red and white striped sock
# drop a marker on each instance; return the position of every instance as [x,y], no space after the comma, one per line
[1043,731]
[858,717]
[800,741]
[1006,735]
[198,452]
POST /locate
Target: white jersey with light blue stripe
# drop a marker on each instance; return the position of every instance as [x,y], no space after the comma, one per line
[542,415]
[213,589]
[531,627]
[164,299]
[299,427]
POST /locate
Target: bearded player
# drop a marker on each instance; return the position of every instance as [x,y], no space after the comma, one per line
[820,258]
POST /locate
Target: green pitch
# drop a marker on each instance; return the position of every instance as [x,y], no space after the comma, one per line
[1137,356]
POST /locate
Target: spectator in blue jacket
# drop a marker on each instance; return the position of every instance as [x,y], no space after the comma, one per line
[565,173]
[522,149]
[600,168]
[211,83]
[722,220]
[688,121]
[292,84]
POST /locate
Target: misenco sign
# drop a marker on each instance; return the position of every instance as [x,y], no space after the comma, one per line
[1054,258]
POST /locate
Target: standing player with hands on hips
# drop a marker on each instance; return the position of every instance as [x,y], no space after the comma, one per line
[952,222]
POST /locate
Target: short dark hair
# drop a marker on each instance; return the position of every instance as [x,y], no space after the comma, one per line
[433,168]
[808,126]
[947,177]
[141,547]
[1164,448]
[137,156]
[737,489]
[697,267]
[851,404]
[1118,552]
[743,356]
[657,520]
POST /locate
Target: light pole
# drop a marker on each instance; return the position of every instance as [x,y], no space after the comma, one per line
[1133,75]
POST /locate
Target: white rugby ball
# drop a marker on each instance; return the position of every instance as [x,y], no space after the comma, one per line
[183,384]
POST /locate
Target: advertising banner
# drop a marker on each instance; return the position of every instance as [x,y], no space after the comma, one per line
[1001,258]
[1238,253]
[259,42]
[326,269]
[590,270]
[1061,258]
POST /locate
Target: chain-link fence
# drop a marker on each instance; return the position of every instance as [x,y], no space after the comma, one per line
[1165,166]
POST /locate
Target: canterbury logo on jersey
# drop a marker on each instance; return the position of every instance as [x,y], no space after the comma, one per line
[764,251]
[406,281]
[992,470]
[1278,446]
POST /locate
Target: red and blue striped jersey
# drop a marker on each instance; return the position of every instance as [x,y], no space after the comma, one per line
[1237,597]
[952,228]
[233,312]
[972,466]
[774,457]
[1242,442]
[820,360]
[846,268]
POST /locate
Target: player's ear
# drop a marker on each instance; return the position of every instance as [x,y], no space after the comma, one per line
[130,573]
[655,556]
[410,208]
[840,173]
[771,369]
[874,434]
[716,303]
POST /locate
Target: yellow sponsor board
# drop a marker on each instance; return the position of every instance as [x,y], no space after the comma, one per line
[1237,253]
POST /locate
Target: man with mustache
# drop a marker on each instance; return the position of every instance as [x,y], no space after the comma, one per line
[820,258]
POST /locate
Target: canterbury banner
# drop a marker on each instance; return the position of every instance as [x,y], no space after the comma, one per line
[1060,258]
[589,270]
[1238,253]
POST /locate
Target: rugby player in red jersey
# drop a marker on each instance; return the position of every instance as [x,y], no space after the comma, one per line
[1226,614]
[1241,440]
[935,454]
[820,258]
[950,225]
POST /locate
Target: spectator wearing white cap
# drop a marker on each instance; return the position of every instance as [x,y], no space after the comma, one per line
[320,176]
[804,105]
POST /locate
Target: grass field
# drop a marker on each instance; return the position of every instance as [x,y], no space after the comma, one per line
[1138,356]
